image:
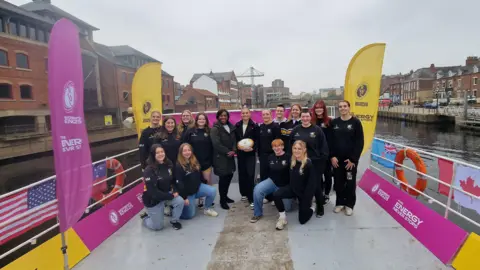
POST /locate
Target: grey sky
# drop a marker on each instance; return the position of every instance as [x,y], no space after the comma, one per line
[307,43]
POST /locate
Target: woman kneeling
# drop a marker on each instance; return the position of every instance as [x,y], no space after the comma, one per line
[302,186]
[158,183]
[189,184]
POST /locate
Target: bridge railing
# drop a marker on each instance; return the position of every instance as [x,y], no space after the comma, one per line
[448,205]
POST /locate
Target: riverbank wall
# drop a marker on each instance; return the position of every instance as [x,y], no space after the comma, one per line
[418,117]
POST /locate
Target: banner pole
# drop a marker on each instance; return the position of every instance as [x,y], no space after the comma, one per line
[450,193]
[64,251]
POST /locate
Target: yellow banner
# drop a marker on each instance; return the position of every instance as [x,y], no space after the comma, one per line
[146,94]
[362,87]
[467,258]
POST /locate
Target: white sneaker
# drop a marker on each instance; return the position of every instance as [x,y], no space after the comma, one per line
[348,211]
[338,209]
[244,198]
[273,203]
[210,212]
[167,211]
[281,223]
[265,201]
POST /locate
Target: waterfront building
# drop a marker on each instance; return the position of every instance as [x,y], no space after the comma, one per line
[197,100]
[222,84]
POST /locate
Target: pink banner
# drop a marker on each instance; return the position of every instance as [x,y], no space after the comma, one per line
[442,237]
[235,116]
[73,163]
[98,226]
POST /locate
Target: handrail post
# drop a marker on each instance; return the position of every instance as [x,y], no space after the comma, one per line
[450,194]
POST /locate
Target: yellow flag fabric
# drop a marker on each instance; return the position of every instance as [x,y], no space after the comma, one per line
[146,94]
[362,87]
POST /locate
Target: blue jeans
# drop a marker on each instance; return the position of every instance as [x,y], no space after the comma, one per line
[263,189]
[154,220]
[203,191]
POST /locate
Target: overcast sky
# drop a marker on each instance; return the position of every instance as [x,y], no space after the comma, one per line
[307,43]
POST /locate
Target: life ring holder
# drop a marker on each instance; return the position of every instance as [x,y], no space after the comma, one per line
[119,181]
[420,167]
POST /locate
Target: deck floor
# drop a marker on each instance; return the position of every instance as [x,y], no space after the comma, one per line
[368,240]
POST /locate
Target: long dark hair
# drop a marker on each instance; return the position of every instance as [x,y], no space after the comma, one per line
[163,134]
[152,161]
[325,119]
[207,123]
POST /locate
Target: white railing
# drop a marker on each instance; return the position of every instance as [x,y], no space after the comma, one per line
[43,206]
[451,187]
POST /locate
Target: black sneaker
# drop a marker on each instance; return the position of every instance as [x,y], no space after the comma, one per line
[224,205]
[254,219]
[176,225]
[320,211]
[143,215]
[229,200]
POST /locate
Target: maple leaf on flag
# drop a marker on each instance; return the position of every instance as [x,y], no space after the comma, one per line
[470,187]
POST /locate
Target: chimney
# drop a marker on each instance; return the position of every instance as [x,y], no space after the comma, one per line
[432,68]
[471,60]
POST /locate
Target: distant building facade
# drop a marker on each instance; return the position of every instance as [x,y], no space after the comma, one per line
[227,87]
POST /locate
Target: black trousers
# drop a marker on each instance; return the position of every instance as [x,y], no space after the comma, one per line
[246,174]
[223,186]
[304,204]
[263,158]
[327,177]
[319,166]
[345,189]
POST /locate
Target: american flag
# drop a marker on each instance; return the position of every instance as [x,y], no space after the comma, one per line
[23,201]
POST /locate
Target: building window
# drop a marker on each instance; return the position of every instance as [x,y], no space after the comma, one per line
[26,92]
[459,83]
[475,81]
[23,30]
[125,95]
[3,58]
[22,60]
[32,33]
[13,28]
[46,64]
[6,91]
[41,35]
[2,28]
[450,84]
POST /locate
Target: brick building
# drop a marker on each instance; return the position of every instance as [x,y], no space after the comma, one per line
[197,100]
[227,87]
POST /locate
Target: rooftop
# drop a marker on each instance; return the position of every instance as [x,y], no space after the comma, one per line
[45,6]
[4,5]
[217,76]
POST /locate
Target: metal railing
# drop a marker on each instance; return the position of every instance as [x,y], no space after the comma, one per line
[451,186]
[32,240]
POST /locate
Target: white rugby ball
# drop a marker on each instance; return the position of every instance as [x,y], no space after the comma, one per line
[245,143]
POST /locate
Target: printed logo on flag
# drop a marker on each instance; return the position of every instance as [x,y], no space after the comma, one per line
[69,97]
[362,90]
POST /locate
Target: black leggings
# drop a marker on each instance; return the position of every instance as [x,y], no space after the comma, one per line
[319,167]
[223,186]
[246,174]
[345,189]
[327,177]
[304,211]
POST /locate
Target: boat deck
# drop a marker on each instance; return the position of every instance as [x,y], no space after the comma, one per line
[370,240]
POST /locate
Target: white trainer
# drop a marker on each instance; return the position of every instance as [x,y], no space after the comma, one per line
[348,211]
[281,223]
[210,212]
[338,209]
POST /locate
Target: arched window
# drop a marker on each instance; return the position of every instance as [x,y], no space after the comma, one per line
[22,60]
[26,92]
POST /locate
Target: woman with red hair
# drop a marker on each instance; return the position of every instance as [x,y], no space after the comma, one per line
[321,119]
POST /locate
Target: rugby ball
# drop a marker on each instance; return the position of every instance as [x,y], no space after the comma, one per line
[245,143]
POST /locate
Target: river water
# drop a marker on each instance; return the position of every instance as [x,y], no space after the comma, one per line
[443,140]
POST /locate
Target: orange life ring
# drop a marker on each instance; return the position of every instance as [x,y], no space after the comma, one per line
[119,181]
[421,183]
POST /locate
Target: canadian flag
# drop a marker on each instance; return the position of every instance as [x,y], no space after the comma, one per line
[467,179]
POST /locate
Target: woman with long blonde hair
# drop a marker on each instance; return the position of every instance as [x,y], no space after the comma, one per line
[302,186]
[186,123]
[188,183]
[147,138]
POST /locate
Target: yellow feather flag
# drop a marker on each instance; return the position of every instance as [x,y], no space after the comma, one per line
[146,94]
[362,87]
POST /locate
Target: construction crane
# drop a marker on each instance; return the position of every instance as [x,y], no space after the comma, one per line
[251,73]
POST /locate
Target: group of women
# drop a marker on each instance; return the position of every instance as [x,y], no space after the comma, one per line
[298,156]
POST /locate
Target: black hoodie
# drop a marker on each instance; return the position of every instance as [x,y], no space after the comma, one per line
[171,145]
[158,184]
[265,137]
[317,147]
[250,133]
[147,139]
[202,146]
[187,180]
[303,181]
[347,139]
[285,130]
